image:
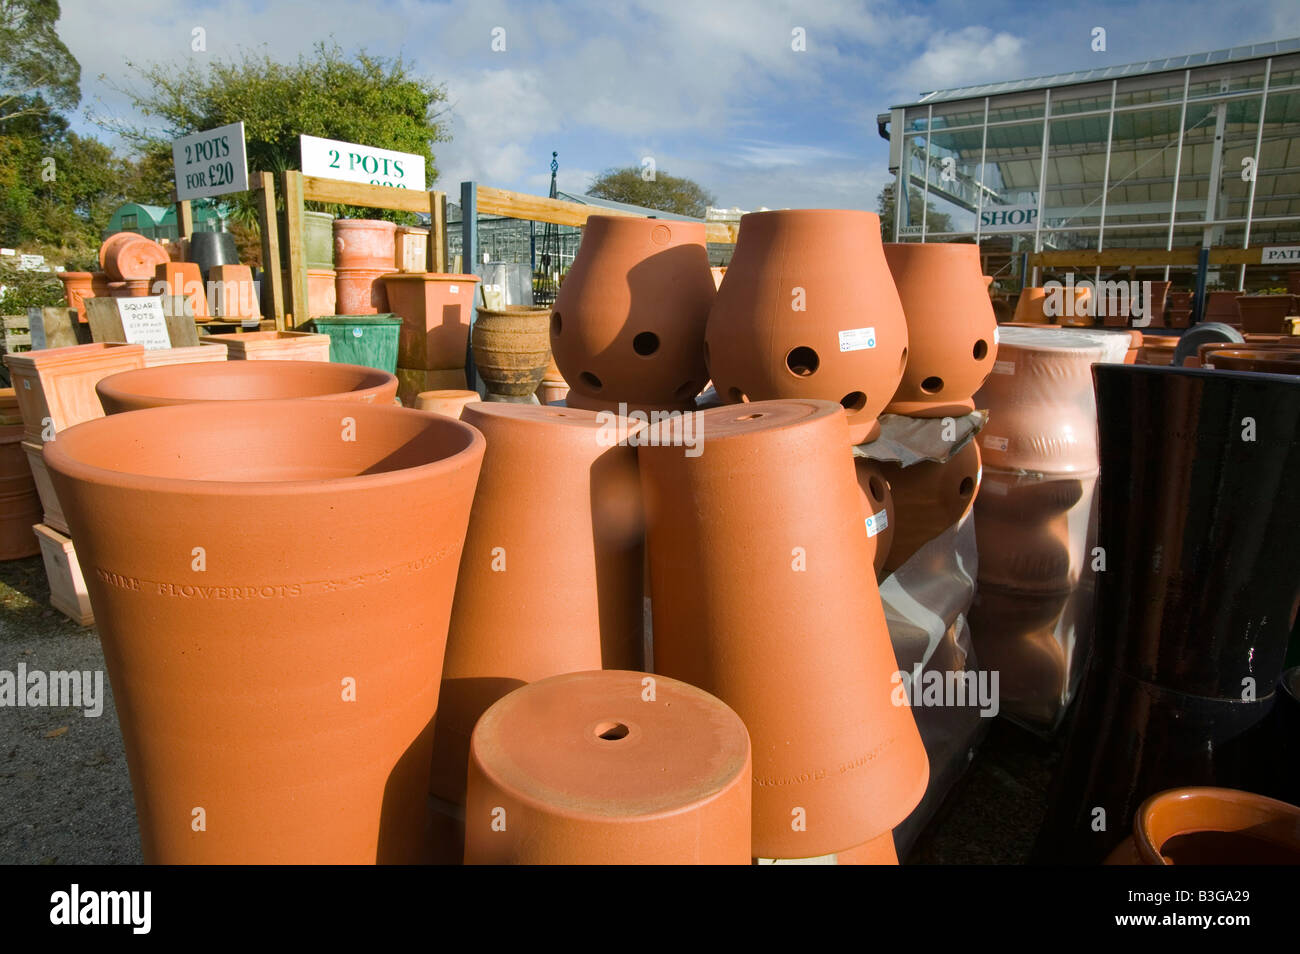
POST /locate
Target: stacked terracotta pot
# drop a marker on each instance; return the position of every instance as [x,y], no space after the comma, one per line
[436,311]
[20,506]
[364,252]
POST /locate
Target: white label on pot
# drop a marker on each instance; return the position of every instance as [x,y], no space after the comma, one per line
[997,334]
[857,339]
[995,443]
[877,523]
[144,323]
[1004,367]
[453,289]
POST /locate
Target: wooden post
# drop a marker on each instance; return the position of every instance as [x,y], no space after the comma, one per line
[437,231]
[272,269]
[184,220]
[296,307]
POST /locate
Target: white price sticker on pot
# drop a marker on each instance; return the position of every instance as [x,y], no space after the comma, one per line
[453,289]
[995,443]
[877,523]
[857,339]
[1004,367]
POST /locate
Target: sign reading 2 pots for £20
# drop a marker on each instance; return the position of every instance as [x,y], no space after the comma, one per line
[210,163]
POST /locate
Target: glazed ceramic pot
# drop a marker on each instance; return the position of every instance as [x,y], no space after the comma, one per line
[55,387]
[77,287]
[234,294]
[273,623]
[808,310]
[210,249]
[764,595]
[451,403]
[557,529]
[1267,361]
[361,291]
[609,768]
[1264,314]
[929,497]
[132,259]
[511,348]
[628,323]
[322,293]
[878,508]
[435,310]
[364,243]
[183,284]
[1211,826]
[245,381]
[951,332]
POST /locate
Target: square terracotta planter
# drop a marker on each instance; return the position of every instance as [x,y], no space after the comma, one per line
[68,592]
[45,487]
[272,345]
[435,310]
[412,381]
[188,355]
[59,383]
[233,295]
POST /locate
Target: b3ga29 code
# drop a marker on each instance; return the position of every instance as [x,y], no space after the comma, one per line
[1222,895]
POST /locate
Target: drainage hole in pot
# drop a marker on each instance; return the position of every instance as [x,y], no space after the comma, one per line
[738,396]
[555,324]
[611,731]
[932,385]
[646,343]
[750,417]
[802,361]
[967,485]
[981,349]
[853,401]
[902,360]
[590,380]
[877,487]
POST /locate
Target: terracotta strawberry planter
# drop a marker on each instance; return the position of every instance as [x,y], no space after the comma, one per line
[55,387]
[364,244]
[929,498]
[951,332]
[77,287]
[245,381]
[1211,826]
[321,291]
[878,508]
[273,623]
[234,294]
[597,768]
[557,527]
[764,594]
[451,403]
[628,323]
[809,310]
[133,259]
[511,348]
[360,291]
[182,282]
[435,310]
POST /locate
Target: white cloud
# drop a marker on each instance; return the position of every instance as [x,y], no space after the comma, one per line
[966,56]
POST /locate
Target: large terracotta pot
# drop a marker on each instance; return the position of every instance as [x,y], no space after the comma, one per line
[764,594]
[435,310]
[556,533]
[1222,306]
[225,381]
[55,387]
[951,332]
[628,323]
[77,287]
[182,282]
[511,348]
[1268,361]
[609,768]
[273,622]
[1211,826]
[929,497]
[1263,314]
[878,508]
[364,243]
[808,309]
[360,291]
[1015,635]
[110,245]
[1029,307]
[1024,530]
[322,293]
[133,259]
[449,402]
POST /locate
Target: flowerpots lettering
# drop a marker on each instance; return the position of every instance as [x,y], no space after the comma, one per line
[511,347]
[435,310]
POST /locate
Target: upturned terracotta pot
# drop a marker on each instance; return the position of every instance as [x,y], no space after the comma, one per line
[182,282]
[878,508]
[435,310]
[557,530]
[110,245]
[929,498]
[764,594]
[360,291]
[133,259]
[951,332]
[609,768]
[878,851]
[450,402]
[628,323]
[225,381]
[322,295]
[77,287]
[511,348]
[365,243]
[273,623]
[1211,826]
[1268,361]
[808,309]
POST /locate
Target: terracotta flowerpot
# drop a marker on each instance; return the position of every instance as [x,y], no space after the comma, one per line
[951,332]
[552,392]
[808,309]
[273,345]
[245,381]
[110,245]
[1015,634]
[274,621]
[1263,314]
[1270,361]
[451,403]
[764,594]
[132,288]
[1024,528]
[582,769]
[234,294]
[364,244]
[929,498]
[557,527]
[878,851]
[20,506]
[55,387]
[77,287]
[412,382]
[435,310]
[1222,306]
[1157,350]
[181,282]
[187,355]
[133,259]
[1211,826]
[360,291]
[1029,307]
[321,292]
[628,323]
[878,508]
[511,348]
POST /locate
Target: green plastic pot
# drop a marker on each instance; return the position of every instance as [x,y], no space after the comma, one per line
[369,340]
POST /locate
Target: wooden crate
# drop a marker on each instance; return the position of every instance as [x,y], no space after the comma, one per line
[17,334]
[68,592]
[44,486]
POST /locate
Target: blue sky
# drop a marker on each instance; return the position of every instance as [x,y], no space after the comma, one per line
[711,89]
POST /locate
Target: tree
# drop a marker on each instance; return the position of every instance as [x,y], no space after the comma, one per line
[935,221]
[657,190]
[37,73]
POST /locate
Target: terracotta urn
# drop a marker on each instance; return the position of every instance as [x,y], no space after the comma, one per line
[133,259]
[808,309]
[557,531]
[225,381]
[511,348]
[449,402]
[364,244]
[77,287]
[878,508]
[951,332]
[1211,826]
[182,283]
[1268,361]
[764,594]
[929,497]
[322,294]
[435,310]
[628,323]
[273,623]
[360,291]
[609,768]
